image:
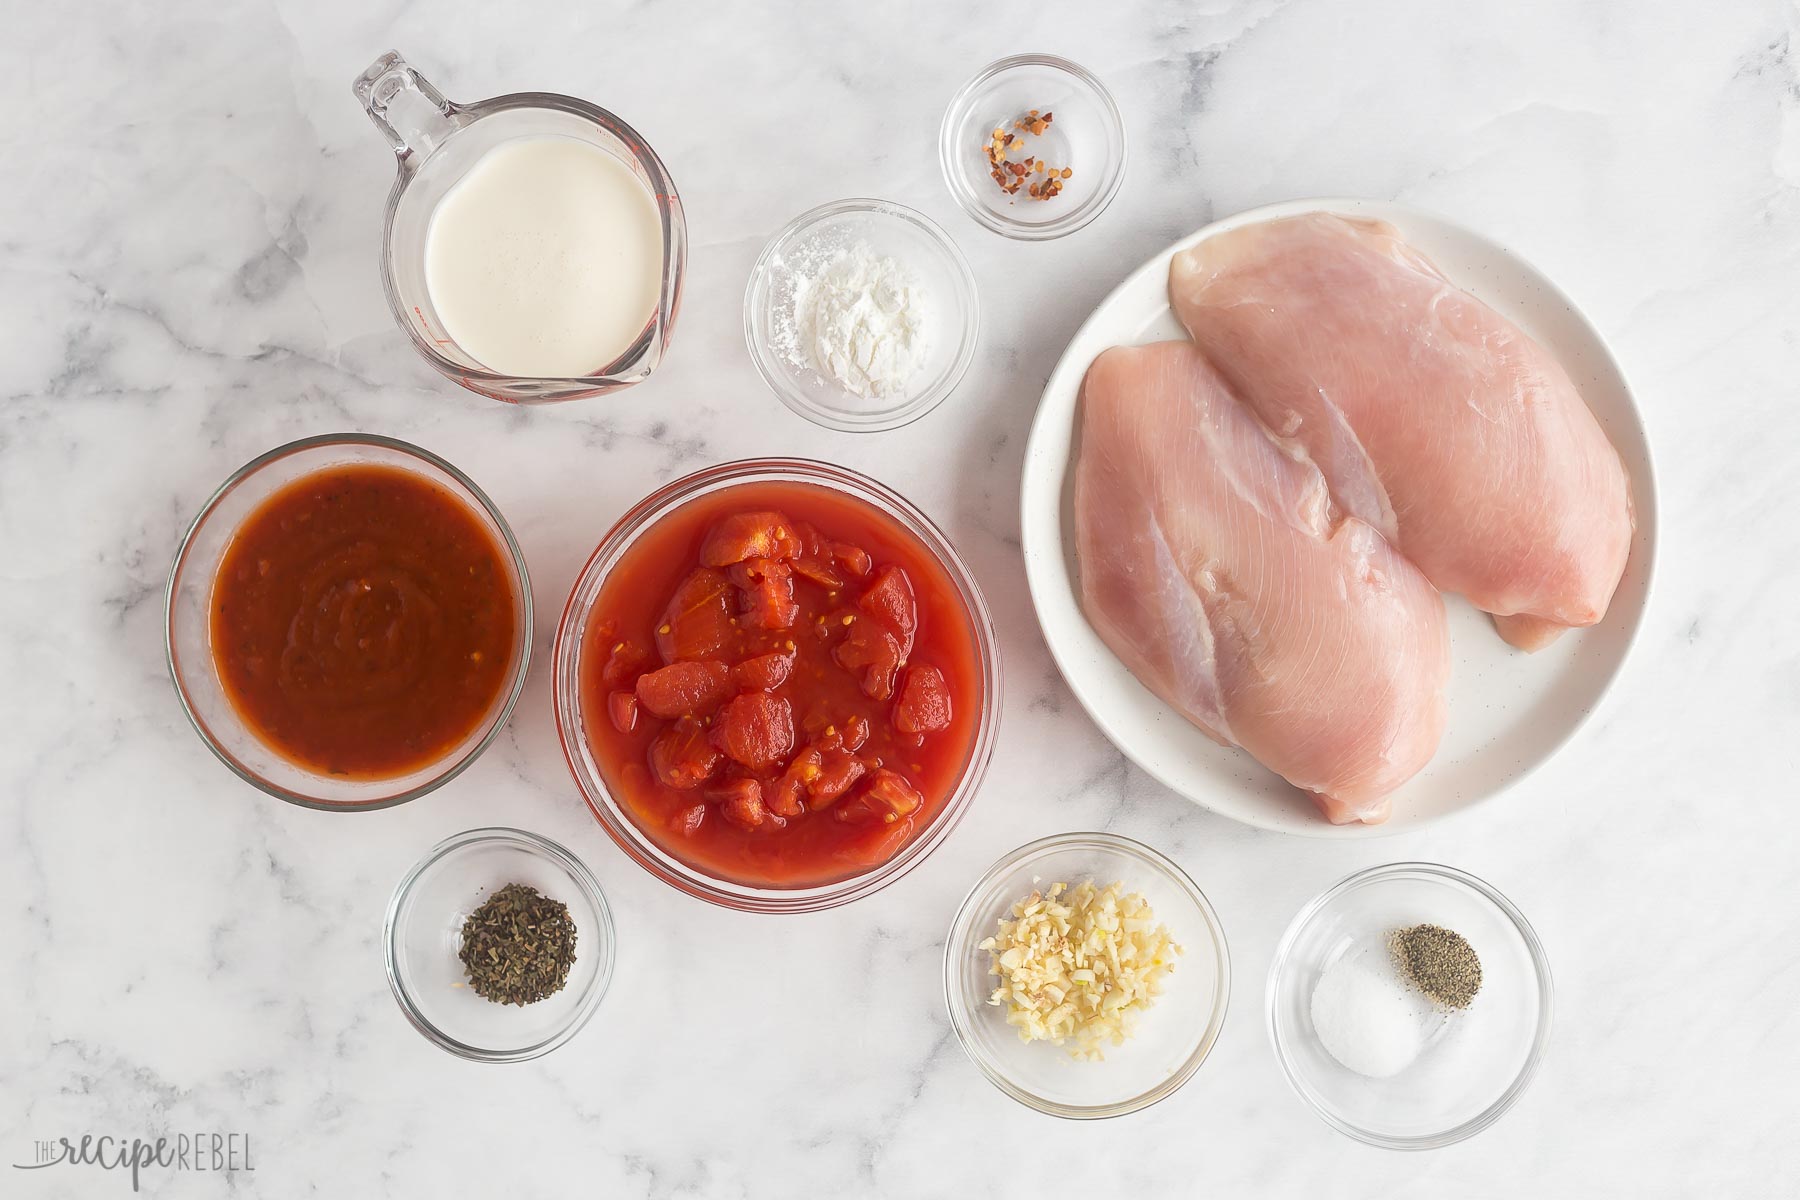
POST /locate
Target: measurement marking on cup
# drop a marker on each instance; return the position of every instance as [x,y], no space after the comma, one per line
[427,328]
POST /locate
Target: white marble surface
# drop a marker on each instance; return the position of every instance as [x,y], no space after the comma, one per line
[189,211]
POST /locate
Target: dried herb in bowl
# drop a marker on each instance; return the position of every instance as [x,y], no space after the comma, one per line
[518,946]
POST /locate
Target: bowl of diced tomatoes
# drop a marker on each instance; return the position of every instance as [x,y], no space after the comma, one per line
[777,685]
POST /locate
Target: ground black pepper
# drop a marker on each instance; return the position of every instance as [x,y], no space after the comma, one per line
[1439,962]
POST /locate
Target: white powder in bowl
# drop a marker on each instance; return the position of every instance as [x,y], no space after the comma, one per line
[858,318]
[1367,1018]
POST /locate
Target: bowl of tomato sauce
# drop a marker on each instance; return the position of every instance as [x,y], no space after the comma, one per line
[349,622]
[777,685]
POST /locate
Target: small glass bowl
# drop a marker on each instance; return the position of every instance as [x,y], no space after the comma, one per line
[617,819]
[1173,1038]
[1468,1074]
[1087,136]
[807,243]
[424,934]
[189,628]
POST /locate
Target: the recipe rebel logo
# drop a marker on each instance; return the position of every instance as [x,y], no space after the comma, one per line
[219,1152]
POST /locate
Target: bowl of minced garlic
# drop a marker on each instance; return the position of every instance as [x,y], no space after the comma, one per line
[1086,975]
[1078,966]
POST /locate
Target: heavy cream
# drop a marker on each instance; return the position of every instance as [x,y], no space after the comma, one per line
[545,259]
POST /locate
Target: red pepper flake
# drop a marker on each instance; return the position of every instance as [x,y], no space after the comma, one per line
[1013,174]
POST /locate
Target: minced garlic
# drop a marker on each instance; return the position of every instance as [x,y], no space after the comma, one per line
[1082,967]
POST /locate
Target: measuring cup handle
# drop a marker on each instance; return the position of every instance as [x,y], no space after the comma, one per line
[414,115]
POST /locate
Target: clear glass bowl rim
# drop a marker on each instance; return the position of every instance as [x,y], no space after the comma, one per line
[514,689]
[532,843]
[566,687]
[760,354]
[1546,1004]
[948,152]
[961,942]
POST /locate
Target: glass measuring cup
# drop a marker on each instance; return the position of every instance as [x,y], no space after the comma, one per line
[435,143]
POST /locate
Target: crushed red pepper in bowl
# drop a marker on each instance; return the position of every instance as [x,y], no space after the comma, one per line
[1012,174]
[780,686]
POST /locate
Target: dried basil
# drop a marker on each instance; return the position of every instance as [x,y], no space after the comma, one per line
[518,946]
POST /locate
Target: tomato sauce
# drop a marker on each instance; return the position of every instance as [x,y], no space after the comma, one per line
[363,621]
[780,684]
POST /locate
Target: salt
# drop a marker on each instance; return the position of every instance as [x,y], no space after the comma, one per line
[1367,1018]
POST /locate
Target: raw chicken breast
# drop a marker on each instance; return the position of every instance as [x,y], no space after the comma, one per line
[1212,565]
[1435,419]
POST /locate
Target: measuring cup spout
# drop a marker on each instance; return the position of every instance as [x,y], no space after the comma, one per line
[413,114]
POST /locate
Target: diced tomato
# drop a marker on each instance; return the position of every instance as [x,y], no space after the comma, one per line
[756,730]
[853,559]
[624,663]
[764,673]
[826,626]
[740,801]
[812,560]
[924,703]
[811,722]
[681,757]
[854,811]
[890,601]
[622,707]
[749,535]
[784,797]
[837,772]
[872,651]
[766,593]
[685,689]
[850,735]
[687,821]
[697,621]
[890,791]
[856,732]
[785,794]
[820,571]
[749,574]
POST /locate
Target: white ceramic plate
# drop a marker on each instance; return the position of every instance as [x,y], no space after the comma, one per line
[1509,711]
